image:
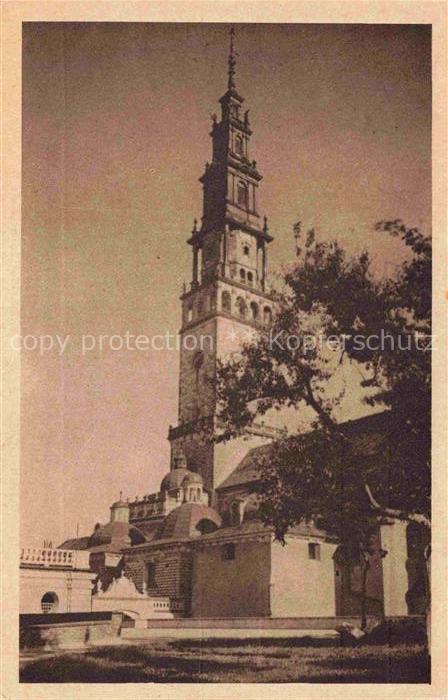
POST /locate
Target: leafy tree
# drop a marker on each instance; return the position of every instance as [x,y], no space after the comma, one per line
[381,325]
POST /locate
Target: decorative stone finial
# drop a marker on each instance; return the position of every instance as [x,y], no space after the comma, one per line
[195,226]
[232,61]
[265,225]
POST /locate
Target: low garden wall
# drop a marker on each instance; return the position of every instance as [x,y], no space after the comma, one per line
[68,630]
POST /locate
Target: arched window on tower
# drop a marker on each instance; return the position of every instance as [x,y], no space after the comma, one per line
[254,310]
[243,195]
[243,275]
[241,306]
[267,315]
[239,149]
[250,278]
[226,301]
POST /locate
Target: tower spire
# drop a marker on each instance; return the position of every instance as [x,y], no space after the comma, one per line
[232,60]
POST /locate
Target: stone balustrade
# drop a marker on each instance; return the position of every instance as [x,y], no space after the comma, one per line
[161,605]
[54,558]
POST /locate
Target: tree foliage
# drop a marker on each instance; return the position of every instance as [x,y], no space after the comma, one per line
[383,326]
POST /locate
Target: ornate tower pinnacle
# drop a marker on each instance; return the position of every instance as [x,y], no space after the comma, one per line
[232,60]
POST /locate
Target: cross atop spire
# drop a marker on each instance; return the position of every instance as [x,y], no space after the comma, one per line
[232,60]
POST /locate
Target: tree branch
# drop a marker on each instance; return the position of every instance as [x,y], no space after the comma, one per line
[396,513]
[315,404]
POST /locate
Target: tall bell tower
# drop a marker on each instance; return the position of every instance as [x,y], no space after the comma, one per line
[227,299]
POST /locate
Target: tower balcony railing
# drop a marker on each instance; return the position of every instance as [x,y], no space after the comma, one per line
[49,558]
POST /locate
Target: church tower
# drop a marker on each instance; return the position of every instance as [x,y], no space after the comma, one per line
[227,299]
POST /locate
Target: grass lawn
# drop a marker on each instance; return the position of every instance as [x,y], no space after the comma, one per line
[234,661]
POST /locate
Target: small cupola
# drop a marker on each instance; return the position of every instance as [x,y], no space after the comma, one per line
[119,511]
[193,485]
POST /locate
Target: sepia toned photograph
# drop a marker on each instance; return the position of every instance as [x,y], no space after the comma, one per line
[226,347]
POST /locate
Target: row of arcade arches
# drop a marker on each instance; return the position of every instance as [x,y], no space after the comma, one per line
[247,311]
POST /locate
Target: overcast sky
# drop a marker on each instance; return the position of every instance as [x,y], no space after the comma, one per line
[116,121]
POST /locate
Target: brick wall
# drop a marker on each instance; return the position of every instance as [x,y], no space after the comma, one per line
[173,571]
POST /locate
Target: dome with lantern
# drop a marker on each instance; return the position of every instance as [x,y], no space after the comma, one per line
[183,485]
[177,478]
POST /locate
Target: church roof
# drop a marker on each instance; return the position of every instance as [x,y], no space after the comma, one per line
[109,537]
[182,522]
[257,528]
[248,469]
[193,478]
[368,431]
[151,528]
[116,531]
[75,543]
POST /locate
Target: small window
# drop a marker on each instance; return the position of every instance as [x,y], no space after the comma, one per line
[313,550]
[250,277]
[189,315]
[254,310]
[242,275]
[228,552]
[49,603]
[241,306]
[267,315]
[243,198]
[239,145]
[226,301]
[151,575]
[246,250]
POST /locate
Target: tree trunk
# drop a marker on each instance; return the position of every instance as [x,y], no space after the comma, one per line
[428,597]
[365,569]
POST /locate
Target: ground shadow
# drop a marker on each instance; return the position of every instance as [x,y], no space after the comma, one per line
[254,641]
[100,668]
[371,669]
